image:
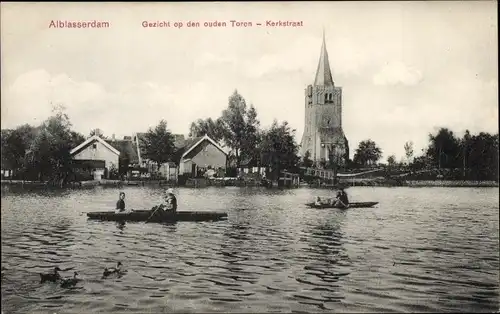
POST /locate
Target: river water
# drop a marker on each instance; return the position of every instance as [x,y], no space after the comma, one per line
[419,250]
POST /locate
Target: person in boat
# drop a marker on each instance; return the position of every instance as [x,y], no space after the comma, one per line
[335,200]
[318,201]
[170,201]
[120,205]
[342,200]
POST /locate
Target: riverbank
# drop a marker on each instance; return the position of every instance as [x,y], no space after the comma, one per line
[410,183]
[200,183]
[82,184]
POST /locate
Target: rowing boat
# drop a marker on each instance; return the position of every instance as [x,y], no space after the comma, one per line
[351,205]
[145,215]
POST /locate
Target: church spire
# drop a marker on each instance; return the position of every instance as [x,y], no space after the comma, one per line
[323,73]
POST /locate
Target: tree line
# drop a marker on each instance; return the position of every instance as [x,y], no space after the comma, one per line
[43,152]
[472,157]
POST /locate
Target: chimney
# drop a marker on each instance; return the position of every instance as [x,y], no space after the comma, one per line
[113,137]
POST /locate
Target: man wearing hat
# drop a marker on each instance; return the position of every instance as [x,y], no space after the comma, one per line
[170,201]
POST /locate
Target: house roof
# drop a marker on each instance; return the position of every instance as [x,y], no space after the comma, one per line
[197,141]
[127,148]
[188,144]
[89,141]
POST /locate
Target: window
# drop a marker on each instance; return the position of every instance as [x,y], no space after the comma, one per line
[94,146]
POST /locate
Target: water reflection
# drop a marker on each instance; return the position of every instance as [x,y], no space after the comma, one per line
[120,225]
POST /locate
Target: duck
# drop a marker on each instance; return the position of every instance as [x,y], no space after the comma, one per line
[112,270]
[70,282]
[52,277]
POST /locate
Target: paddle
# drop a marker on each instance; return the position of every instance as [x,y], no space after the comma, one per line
[157,207]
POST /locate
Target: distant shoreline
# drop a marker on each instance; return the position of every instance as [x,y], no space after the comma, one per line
[368,183]
[418,183]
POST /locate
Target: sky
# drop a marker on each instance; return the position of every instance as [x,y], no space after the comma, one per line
[406,68]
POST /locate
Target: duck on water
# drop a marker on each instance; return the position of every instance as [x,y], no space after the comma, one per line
[113,270]
[70,282]
[52,277]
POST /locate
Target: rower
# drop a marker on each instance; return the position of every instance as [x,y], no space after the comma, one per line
[342,201]
[343,197]
[168,204]
[170,201]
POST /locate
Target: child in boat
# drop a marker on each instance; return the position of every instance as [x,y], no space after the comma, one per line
[318,201]
[120,205]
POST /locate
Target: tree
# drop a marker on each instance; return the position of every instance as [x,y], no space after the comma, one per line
[158,144]
[240,127]
[97,132]
[483,156]
[49,153]
[444,149]
[76,138]
[214,129]
[409,151]
[367,153]
[306,159]
[14,146]
[252,136]
[278,149]
[466,141]
[391,160]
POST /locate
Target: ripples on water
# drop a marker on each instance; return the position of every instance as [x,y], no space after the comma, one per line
[424,249]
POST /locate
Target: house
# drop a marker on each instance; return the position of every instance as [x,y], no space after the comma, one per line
[96,149]
[201,155]
[252,168]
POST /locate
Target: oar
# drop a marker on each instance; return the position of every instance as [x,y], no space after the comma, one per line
[157,207]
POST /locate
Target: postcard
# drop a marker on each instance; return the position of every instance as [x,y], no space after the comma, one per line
[249,157]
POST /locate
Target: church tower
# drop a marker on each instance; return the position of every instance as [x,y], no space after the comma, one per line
[323,136]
